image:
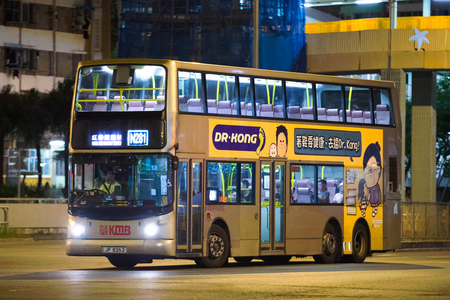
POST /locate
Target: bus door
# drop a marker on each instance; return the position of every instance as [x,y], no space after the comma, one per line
[272,207]
[189,207]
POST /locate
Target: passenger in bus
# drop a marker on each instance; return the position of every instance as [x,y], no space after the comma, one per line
[339,196]
[246,196]
[323,194]
[111,186]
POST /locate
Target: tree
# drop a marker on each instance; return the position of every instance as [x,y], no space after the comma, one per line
[443,129]
[59,104]
[8,119]
[35,120]
[408,137]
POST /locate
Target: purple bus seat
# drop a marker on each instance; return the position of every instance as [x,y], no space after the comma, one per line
[182,103]
[267,110]
[195,105]
[100,106]
[278,111]
[333,115]
[367,118]
[293,112]
[307,113]
[212,106]
[224,108]
[159,105]
[357,116]
[303,195]
[331,187]
[347,115]
[321,114]
[116,104]
[382,114]
[135,106]
[150,105]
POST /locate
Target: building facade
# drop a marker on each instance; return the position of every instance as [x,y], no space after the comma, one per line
[41,43]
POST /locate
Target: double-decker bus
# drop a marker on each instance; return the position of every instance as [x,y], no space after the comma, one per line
[184,160]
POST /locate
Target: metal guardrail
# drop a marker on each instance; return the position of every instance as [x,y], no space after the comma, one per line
[425,221]
[5,214]
[33,200]
[421,221]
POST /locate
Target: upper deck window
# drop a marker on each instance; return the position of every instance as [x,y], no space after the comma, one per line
[358,106]
[191,92]
[121,88]
[382,111]
[258,97]
[221,94]
[329,103]
[269,97]
[300,100]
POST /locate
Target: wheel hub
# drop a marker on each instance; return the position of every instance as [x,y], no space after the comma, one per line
[329,243]
[216,246]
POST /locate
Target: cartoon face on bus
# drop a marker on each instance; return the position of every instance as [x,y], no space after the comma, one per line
[273,150]
[369,189]
[282,141]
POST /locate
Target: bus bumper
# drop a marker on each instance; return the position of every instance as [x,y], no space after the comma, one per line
[157,248]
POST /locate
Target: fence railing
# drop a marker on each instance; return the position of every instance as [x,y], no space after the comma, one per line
[4,221]
[425,221]
[421,221]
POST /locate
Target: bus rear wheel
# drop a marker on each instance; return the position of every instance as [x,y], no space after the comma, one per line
[360,245]
[218,249]
[122,262]
[329,246]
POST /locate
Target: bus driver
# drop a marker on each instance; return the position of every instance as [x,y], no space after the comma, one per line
[111,186]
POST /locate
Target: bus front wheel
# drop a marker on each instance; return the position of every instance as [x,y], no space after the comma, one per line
[218,249]
[329,246]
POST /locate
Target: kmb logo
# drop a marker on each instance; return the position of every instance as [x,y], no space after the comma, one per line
[115,230]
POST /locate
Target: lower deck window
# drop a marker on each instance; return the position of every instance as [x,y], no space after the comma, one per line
[230,183]
[313,184]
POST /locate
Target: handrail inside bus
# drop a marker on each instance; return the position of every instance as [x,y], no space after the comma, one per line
[153,84]
[95,78]
[350,98]
[307,95]
[196,86]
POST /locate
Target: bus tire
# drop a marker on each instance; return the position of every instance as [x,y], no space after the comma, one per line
[329,246]
[218,249]
[243,259]
[360,245]
[122,262]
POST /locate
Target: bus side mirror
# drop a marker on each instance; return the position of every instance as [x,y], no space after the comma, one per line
[175,163]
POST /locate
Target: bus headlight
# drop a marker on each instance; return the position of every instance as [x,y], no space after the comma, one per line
[76,229]
[151,229]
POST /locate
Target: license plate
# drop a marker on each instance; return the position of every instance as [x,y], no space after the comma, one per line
[114,249]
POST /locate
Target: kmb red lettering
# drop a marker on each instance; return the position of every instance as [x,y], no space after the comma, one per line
[119,230]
